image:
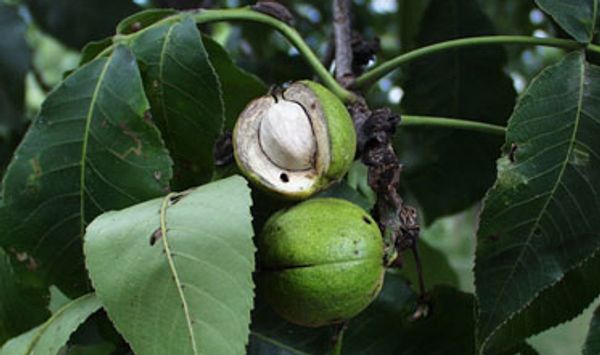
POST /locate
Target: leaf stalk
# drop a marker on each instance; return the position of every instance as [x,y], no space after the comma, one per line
[454,123]
[375,74]
[246,14]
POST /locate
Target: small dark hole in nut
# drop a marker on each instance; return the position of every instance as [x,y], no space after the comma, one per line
[367,221]
[284,177]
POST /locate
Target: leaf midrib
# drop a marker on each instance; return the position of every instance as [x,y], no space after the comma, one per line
[161,68]
[546,204]
[86,135]
[167,249]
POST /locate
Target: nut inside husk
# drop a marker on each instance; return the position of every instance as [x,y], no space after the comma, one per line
[282,141]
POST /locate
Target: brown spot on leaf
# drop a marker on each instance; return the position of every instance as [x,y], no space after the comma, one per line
[511,153]
[136,26]
[36,167]
[30,263]
[137,149]
[148,116]
[33,180]
[21,256]
[156,235]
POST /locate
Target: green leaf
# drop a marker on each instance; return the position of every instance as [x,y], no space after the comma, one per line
[57,299]
[185,96]
[76,23]
[538,238]
[578,17]
[15,59]
[89,150]
[93,49]
[449,170]
[354,188]
[592,343]
[239,87]
[142,20]
[574,292]
[385,327]
[51,336]
[346,192]
[21,307]
[184,281]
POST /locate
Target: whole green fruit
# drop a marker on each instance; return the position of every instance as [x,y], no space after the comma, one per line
[321,261]
[295,142]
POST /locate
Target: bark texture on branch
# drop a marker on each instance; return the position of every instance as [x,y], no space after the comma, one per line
[375,130]
[343,42]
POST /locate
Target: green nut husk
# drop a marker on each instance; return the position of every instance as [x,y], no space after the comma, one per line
[321,261]
[295,142]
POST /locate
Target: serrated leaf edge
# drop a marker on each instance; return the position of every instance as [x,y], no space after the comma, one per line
[480,348]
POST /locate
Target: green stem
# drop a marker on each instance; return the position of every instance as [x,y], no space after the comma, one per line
[246,14]
[339,340]
[373,75]
[593,48]
[428,121]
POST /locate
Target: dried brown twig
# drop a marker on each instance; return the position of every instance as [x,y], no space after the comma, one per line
[376,129]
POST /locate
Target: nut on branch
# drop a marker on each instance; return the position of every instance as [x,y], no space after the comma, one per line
[295,142]
[321,261]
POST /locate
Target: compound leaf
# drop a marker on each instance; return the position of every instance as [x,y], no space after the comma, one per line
[89,150]
[538,238]
[185,95]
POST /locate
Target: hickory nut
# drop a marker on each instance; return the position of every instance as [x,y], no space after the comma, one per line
[321,261]
[295,142]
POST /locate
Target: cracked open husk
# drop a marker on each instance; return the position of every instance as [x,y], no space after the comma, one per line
[295,142]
